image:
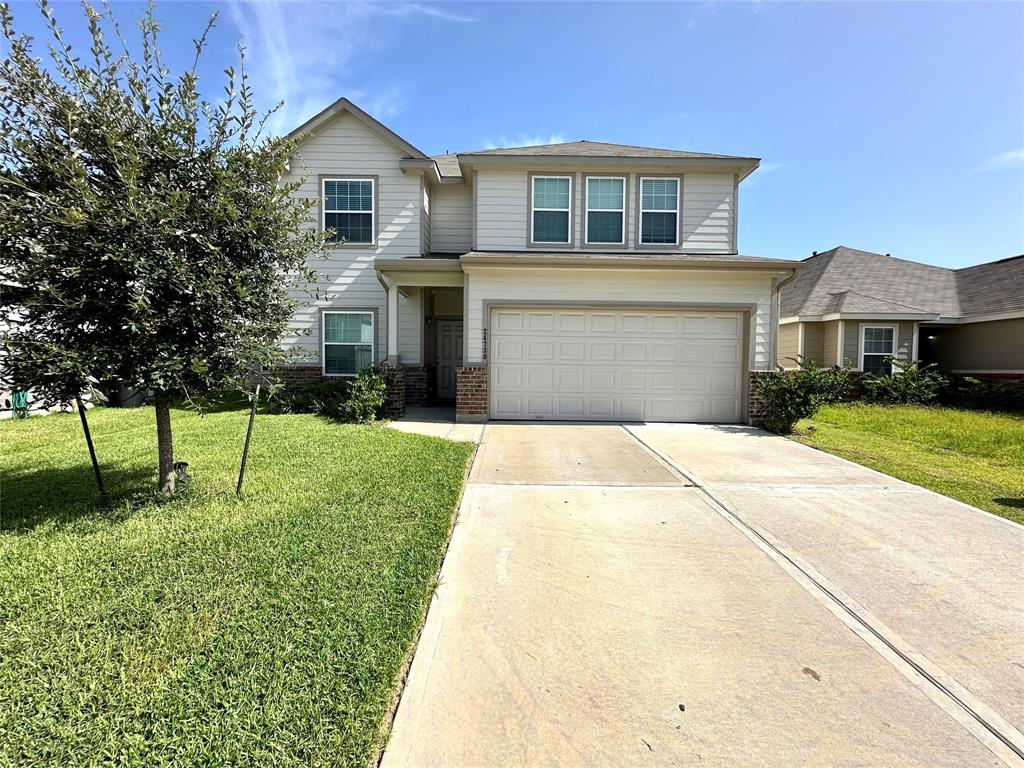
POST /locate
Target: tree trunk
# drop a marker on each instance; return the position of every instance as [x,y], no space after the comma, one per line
[164,443]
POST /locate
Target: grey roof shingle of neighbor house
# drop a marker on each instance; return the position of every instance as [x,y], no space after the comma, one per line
[448,165]
[848,280]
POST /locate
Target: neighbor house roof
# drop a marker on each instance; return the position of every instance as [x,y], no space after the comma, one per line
[992,288]
[847,280]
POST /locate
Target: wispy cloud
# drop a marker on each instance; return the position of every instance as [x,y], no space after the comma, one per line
[762,170]
[1012,159]
[308,58]
[523,140]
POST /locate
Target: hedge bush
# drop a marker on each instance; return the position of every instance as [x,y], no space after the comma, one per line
[910,383]
[357,400]
[793,395]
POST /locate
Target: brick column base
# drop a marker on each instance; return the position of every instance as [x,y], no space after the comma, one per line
[394,400]
[471,395]
[755,403]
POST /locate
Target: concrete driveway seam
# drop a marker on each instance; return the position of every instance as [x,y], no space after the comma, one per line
[983,722]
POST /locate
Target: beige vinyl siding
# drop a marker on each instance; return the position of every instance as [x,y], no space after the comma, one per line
[707,221]
[709,213]
[789,340]
[347,277]
[830,342]
[410,327]
[814,341]
[679,288]
[452,218]
[976,347]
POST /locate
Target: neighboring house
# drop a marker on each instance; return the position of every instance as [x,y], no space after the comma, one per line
[577,281]
[861,308]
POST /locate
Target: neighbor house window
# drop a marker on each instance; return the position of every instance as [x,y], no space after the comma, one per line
[550,214]
[659,211]
[349,210]
[877,348]
[347,342]
[605,210]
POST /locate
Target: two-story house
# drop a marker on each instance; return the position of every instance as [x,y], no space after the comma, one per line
[576,281]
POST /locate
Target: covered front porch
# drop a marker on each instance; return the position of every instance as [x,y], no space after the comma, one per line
[425,339]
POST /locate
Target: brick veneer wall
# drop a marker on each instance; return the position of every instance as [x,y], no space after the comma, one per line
[755,403]
[471,394]
[298,375]
[416,384]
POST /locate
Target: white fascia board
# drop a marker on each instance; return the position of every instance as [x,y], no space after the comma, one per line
[1012,315]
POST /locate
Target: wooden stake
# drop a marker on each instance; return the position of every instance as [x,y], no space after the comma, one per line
[248,437]
[92,451]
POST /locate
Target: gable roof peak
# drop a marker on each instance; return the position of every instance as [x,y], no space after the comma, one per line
[346,106]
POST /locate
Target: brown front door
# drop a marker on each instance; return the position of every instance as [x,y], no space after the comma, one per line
[449,356]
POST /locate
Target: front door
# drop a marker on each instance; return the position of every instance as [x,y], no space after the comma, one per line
[449,356]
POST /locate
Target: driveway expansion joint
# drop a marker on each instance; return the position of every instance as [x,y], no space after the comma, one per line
[990,728]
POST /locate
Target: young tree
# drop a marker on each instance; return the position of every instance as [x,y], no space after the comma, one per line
[145,234]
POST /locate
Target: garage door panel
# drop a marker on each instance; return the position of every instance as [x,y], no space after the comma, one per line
[540,321]
[572,351]
[506,320]
[572,322]
[632,379]
[629,365]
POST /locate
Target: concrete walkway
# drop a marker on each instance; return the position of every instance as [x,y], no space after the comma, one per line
[688,595]
[437,421]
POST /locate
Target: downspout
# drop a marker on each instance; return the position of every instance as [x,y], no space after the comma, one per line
[777,284]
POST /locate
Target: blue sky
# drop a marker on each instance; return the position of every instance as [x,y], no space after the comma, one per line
[893,127]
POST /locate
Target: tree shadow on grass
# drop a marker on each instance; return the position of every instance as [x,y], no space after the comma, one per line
[1014,503]
[33,496]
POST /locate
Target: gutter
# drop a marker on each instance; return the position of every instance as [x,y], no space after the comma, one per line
[635,262]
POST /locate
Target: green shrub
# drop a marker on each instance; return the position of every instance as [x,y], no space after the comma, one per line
[793,395]
[357,400]
[910,383]
[321,397]
[982,394]
[365,397]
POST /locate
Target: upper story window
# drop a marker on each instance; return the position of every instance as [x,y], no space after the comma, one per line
[549,217]
[349,210]
[659,211]
[606,210]
[877,348]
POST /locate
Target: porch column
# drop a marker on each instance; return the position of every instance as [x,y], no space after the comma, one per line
[392,323]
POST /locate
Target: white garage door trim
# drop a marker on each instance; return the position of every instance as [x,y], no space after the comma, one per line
[658,362]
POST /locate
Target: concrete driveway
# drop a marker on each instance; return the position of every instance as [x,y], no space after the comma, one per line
[699,595]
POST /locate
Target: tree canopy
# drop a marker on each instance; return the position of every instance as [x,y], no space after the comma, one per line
[146,236]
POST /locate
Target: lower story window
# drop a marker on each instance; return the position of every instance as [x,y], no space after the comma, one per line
[878,345]
[347,342]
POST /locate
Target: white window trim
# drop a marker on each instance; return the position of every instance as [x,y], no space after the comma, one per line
[640,223]
[373,208]
[587,209]
[534,209]
[324,342]
[895,341]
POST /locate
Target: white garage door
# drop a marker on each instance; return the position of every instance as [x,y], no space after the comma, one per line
[615,364]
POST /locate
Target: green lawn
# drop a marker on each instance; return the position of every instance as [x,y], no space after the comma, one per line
[209,630]
[975,457]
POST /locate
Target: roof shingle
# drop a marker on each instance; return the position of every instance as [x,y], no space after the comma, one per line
[848,280]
